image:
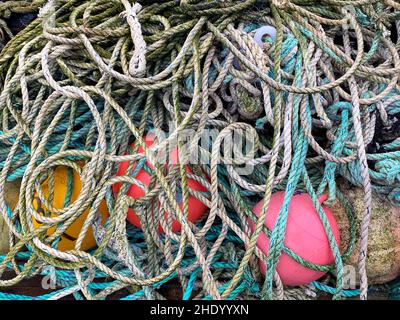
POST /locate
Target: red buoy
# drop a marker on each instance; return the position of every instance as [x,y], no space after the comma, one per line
[196,208]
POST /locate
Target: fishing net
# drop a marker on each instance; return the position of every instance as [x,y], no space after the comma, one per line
[313,85]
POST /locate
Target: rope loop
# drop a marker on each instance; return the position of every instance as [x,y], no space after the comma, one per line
[137,64]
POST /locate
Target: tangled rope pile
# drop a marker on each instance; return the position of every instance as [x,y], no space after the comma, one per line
[85,80]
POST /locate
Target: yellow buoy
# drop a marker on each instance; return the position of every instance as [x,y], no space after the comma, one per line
[71,234]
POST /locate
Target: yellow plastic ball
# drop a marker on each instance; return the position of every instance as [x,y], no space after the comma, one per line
[71,234]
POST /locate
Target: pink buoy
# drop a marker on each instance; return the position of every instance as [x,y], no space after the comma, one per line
[305,235]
